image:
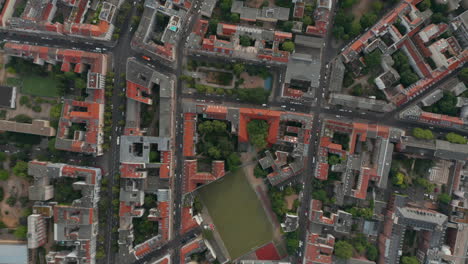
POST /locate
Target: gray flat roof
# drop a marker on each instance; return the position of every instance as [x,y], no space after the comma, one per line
[303,67]
[128,143]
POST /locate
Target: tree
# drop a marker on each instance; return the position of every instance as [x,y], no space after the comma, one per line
[347,3]
[233,161]
[338,32]
[3,156]
[22,118]
[463,75]
[80,84]
[444,198]
[398,179]
[259,172]
[4,175]
[439,18]
[258,131]
[456,138]
[292,245]
[287,26]
[292,242]
[37,108]
[288,46]
[253,95]
[368,19]
[377,6]
[24,100]
[235,18]
[408,77]
[214,152]
[356,90]
[426,4]
[212,26]
[409,260]
[343,249]
[355,29]
[372,253]
[21,232]
[422,133]
[21,169]
[320,195]
[307,20]
[238,68]
[446,105]
[373,59]
[245,41]
[334,159]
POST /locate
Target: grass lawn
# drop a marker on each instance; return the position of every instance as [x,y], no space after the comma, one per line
[237,213]
[36,85]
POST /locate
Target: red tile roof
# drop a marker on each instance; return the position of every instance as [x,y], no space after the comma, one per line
[131,171]
[192,178]
[187,249]
[248,114]
[135,92]
[189,134]
[188,222]
[319,249]
[201,27]
[322,171]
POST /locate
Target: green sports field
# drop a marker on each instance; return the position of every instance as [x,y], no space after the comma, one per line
[237,214]
[36,85]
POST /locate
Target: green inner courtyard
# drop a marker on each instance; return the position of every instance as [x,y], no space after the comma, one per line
[237,214]
[36,85]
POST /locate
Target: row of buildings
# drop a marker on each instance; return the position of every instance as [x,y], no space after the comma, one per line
[75,225]
[146,160]
[432,55]
[42,17]
[361,178]
[89,114]
[287,130]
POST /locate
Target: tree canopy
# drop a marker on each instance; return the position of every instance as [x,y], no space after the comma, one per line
[444,198]
[463,75]
[456,138]
[398,179]
[343,249]
[21,169]
[258,131]
[422,133]
[4,175]
[288,46]
[409,260]
[21,232]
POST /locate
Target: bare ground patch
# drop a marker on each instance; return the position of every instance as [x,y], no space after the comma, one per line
[17,187]
[290,200]
[251,81]
[361,8]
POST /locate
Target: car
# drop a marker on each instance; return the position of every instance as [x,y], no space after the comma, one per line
[264,105]
[146,58]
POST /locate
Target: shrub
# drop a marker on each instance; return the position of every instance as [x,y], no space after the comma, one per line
[37,108]
[11,201]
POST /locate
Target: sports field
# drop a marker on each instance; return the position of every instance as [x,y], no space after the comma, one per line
[237,214]
[36,85]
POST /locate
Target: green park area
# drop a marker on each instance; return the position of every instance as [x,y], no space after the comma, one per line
[237,214]
[36,85]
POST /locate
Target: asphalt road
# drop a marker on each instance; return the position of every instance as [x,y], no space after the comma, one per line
[121,51]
